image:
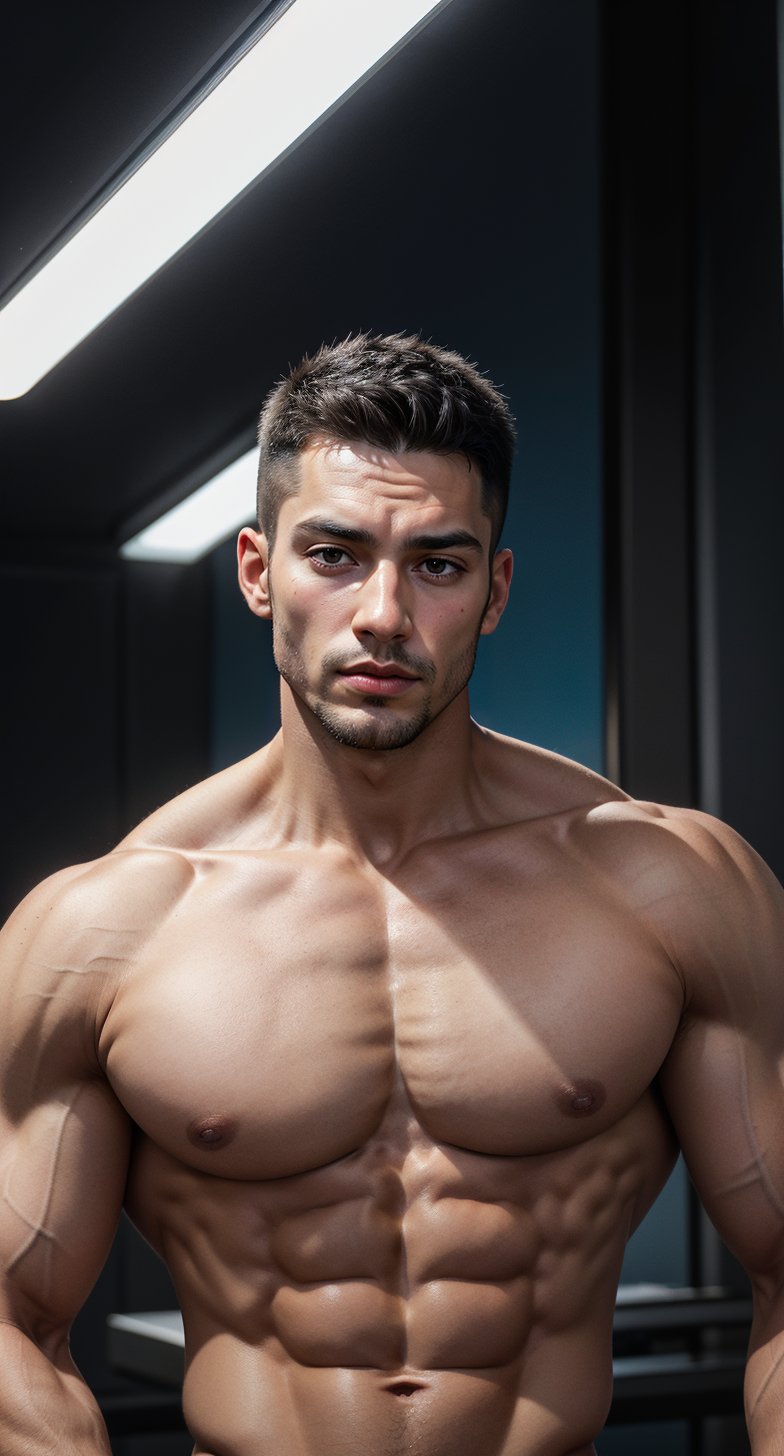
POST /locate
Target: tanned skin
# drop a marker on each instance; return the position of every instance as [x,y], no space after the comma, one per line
[386,1049]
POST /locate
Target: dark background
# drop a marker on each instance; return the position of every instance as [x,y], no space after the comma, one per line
[583,196]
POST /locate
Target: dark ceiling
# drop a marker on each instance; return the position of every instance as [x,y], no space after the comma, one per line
[399,212]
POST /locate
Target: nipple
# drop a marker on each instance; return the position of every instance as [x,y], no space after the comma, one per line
[211,1132]
[581,1098]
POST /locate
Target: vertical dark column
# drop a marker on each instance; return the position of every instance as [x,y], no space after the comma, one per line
[650,635]
[648,445]
[741,423]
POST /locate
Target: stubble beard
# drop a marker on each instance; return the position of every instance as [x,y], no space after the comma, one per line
[368,733]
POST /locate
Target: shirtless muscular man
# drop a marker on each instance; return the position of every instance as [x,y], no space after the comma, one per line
[364,1031]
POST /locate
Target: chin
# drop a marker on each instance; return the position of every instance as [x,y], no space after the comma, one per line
[374,734]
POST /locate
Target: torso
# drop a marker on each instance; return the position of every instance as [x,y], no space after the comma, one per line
[394,1132]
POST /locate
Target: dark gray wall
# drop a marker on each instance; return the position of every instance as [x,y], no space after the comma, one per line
[60,725]
[106,682]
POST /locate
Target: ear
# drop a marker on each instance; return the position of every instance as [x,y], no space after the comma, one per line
[500,582]
[253,571]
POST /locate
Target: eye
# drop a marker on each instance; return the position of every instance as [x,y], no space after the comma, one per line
[440,567]
[326,558]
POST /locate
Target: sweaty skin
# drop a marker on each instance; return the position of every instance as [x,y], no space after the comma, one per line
[386,1051]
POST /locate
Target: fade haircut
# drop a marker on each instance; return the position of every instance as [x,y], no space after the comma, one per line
[393,391]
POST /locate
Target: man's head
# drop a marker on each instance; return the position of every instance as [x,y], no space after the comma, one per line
[398,393]
[384,492]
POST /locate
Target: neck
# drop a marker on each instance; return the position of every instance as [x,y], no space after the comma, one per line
[377,803]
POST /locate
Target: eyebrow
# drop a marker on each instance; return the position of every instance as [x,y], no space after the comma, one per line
[316,526]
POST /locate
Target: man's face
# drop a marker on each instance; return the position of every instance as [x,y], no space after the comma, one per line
[379,588]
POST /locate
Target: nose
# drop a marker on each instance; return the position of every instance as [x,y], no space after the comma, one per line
[381,609]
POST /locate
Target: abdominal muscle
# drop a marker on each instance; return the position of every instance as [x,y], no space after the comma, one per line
[411,1299]
[243,1403]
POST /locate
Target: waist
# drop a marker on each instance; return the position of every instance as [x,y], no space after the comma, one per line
[261,1402]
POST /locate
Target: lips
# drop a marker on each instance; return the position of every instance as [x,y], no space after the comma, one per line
[382,680]
[377,669]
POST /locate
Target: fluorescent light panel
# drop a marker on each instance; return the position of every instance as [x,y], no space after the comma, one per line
[204,519]
[313,55]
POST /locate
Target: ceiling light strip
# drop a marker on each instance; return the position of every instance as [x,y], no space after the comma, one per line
[204,519]
[301,68]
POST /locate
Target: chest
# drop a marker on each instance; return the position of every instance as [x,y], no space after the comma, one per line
[517,1015]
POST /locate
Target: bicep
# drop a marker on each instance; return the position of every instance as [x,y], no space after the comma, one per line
[725,1092]
[64,1139]
[724,1089]
[62,1177]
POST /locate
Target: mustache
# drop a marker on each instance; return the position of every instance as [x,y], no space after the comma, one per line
[393,657]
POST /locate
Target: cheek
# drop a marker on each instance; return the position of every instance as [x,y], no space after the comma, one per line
[452,624]
[300,604]
[311,615]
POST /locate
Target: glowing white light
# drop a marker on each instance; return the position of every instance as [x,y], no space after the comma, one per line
[203,519]
[300,69]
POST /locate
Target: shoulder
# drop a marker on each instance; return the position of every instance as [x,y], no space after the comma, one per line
[714,904]
[78,928]
[668,850]
[63,953]
[102,908]
[530,782]
[129,879]
[653,852]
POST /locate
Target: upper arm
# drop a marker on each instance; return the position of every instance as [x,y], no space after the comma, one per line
[724,1077]
[64,1138]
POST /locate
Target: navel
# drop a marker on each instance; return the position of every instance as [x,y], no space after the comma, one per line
[404,1388]
[211,1132]
[581,1098]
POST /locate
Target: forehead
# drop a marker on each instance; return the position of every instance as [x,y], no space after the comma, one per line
[379,487]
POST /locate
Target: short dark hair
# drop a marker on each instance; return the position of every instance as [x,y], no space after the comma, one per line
[394,391]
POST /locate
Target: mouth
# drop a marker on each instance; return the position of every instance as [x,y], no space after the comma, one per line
[382,680]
